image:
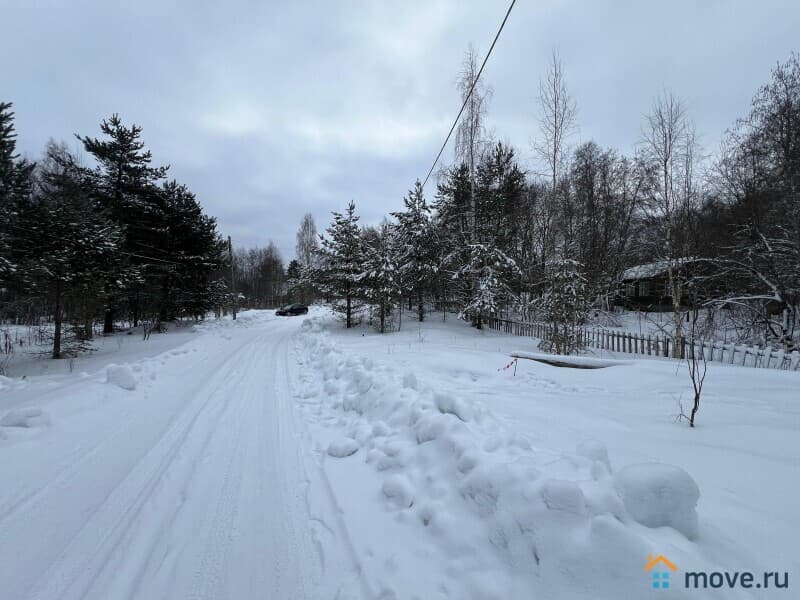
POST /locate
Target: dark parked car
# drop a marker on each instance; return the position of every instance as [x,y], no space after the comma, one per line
[292,310]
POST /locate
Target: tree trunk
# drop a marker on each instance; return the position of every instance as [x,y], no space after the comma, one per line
[87,322]
[383,314]
[347,310]
[108,321]
[57,321]
[675,288]
[420,306]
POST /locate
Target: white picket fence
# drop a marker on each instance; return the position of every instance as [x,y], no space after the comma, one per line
[661,345]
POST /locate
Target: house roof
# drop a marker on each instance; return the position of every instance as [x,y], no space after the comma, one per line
[652,269]
[652,561]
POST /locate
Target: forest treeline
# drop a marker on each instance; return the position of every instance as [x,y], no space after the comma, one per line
[113,240]
[554,244]
[118,239]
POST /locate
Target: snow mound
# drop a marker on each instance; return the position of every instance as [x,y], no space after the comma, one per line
[342,447]
[121,376]
[520,516]
[658,495]
[29,417]
[398,491]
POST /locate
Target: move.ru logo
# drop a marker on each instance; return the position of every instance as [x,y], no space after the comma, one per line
[660,569]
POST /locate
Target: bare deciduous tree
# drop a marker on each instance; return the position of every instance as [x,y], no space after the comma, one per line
[668,142]
[307,241]
[471,134]
[558,112]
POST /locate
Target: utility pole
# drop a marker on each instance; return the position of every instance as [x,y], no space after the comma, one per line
[233,276]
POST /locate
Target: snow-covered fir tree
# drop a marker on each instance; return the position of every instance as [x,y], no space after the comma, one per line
[490,269]
[14,187]
[126,185]
[416,251]
[381,277]
[341,265]
[563,305]
[70,251]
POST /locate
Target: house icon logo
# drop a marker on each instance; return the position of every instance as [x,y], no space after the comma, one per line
[661,570]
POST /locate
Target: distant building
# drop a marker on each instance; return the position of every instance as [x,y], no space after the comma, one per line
[646,287]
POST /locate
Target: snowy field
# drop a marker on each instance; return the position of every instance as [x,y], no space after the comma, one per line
[290,458]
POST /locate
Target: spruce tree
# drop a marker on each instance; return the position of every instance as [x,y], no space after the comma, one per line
[381,277]
[15,177]
[417,257]
[491,270]
[342,262]
[70,249]
[193,252]
[564,306]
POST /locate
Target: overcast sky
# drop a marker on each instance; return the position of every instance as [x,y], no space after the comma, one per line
[268,110]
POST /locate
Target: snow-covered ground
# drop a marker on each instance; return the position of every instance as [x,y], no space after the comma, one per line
[290,458]
[32,357]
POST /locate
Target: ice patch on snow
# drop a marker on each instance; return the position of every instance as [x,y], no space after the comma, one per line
[121,376]
[29,417]
[658,495]
[342,447]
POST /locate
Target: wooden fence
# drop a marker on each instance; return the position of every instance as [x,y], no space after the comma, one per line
[659,345]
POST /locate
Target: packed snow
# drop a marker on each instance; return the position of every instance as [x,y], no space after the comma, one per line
[291,458]
[29,417]
[121,376]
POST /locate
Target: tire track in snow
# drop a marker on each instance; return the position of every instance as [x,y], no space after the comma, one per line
[194,514]
[117,514]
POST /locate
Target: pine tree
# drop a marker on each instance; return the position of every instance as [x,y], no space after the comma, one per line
[70,249]
[194,250]
[294,278]
[452,233]
[15,177]
[381,277]
[491,269]
[564,306]
[342,262]
[127,186]
[417,256]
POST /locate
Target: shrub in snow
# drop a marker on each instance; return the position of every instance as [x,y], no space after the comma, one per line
[25,417]
[342,447]
[121,376]
[658,495]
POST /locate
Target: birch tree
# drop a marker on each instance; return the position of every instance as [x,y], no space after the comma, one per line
[557,122]
[669,144]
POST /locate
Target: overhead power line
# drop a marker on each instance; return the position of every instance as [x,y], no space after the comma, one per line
[469,94]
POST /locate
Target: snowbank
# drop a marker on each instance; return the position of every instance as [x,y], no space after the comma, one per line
[658,495]
[576,362]
[121,376]
[342,447]
[28,417]
[528,520]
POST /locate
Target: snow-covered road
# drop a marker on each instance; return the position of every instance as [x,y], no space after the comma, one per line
[289,458]
[192,485]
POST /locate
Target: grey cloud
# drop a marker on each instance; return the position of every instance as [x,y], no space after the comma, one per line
[268,110]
